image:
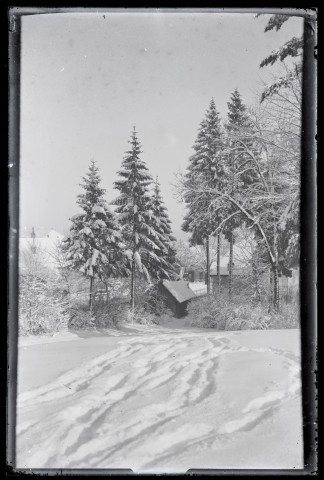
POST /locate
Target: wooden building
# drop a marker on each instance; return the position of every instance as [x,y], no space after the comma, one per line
[224,273]
[195,276]
[177,295]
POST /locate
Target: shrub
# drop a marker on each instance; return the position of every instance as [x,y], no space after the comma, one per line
[149,299]
[118,288]
[49,321]
[81,319]
[165,316]
[110,314]
[149,304]
[287,317]
[141,316]
[239,313]
[43,309]
[79,314]
[107,314]
[43,303]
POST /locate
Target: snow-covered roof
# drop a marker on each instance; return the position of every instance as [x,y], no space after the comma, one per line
[47,243]
[223,271]
[179,290]
[40,232]
[49,240]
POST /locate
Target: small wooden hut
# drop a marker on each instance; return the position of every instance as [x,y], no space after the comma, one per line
[177,295]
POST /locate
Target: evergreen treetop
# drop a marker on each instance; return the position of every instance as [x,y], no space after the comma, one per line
[135,177]
[237,111]
[93,244]
[166,241]
[206,165]
[240,169]
[134,207]
[208,146]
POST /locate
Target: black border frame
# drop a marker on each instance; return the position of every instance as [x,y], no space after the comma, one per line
[308,257]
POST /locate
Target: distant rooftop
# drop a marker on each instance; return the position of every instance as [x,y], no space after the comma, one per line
[47,243]
[40,232]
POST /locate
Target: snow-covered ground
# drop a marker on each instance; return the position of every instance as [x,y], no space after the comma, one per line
[160,399]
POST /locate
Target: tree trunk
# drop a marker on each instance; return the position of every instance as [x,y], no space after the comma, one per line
[91,295]
[208,265]
[133,285]
[276,303]
[218,262]
[230,269]
[275,269]
[271,289]
[107,291]
[256,280]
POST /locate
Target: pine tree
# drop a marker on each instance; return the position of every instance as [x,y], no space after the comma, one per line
[134,209]
[166,266]
[238,129]
[93,245]
[205,165]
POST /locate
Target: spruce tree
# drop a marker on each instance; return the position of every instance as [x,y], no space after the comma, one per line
[205,165]
[134,209]
[165,267]
[238,129]
[93,244]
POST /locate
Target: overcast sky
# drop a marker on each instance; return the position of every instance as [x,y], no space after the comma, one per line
[88,78]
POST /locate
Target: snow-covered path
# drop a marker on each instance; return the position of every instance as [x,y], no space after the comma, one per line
[161,399]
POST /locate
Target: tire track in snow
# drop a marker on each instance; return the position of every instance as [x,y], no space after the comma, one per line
[267,408]
[126,442]
[97,369]
[78,434]
[169,372]
[265,405]
[207,385]
[173,410]
[178,448]
[73,379]
[173,366]
[98,420]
